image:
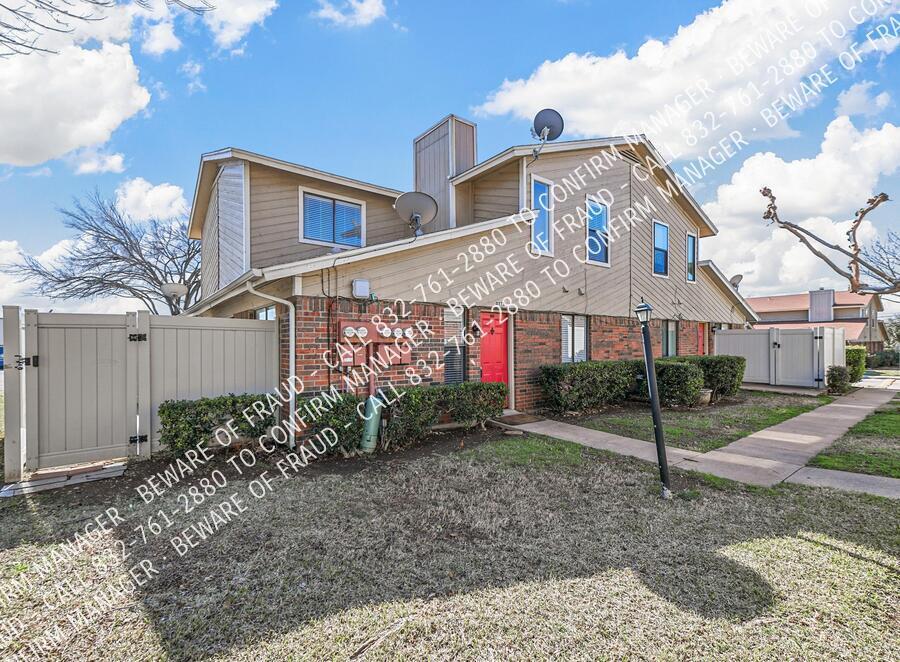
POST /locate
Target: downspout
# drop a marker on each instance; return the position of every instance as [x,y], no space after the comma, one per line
[292,351]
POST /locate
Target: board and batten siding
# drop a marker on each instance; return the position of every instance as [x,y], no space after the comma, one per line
[275,216]
[222,249]
[432,168]
[209,248]
[607,290]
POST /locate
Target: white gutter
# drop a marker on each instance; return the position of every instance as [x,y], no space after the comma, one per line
[292,351]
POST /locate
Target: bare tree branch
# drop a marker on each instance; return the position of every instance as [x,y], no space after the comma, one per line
[24,22]
[878,262]
[111,255]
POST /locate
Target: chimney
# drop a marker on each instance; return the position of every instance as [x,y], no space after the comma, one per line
[821,305]
[444,151]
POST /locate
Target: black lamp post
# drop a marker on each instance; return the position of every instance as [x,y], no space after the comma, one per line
[644,311]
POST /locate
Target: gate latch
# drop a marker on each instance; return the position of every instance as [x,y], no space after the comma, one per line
[137,337]
[22,361]
[138,439]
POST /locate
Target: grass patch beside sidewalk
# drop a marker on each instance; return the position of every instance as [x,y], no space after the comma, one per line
[707,428]
[872,446]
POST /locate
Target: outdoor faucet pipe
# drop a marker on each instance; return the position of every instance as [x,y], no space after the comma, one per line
[292,351]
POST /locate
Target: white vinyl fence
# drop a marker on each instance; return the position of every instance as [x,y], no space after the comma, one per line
[785,357]
[83,388]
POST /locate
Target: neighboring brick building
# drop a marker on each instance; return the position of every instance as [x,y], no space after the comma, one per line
[528,262]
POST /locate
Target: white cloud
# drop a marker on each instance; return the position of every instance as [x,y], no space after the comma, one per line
[63,102]
[160,38]
[857,100]
[141,200]
[819,193]
[95,162]
[231,20]
[352,13]
[14,291]
[192,70]
[40,172]
[717,56]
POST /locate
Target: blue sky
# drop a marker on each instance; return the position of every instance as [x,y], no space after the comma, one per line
[346,86]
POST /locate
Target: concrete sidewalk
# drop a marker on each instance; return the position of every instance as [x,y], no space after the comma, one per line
[765,458]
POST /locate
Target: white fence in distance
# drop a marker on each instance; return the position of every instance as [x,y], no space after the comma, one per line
[88,387]
[785,357]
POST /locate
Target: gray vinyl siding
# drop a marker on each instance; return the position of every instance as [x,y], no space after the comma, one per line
[231,223]
[275,216]
[222,249]
[432,168]
[613,290]
[464,152]
[209,248]
[849,314]
[784,316]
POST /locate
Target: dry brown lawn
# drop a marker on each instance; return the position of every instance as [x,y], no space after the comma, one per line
[515,549]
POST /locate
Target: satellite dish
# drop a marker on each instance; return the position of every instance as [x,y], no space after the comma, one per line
[736,280]
[548,125]
[174,290]
[416,208]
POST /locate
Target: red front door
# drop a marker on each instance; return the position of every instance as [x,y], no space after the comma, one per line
[493,348]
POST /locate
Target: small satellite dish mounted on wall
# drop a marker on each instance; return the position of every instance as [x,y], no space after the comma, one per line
[548,126]
[416,208]
[736,280]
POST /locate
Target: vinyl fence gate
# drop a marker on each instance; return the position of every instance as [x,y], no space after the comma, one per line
[784,357]
[85,388]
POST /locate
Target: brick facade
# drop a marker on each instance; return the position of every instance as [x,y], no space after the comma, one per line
[537,341]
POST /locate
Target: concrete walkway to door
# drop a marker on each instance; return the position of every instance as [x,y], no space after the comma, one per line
[763,458]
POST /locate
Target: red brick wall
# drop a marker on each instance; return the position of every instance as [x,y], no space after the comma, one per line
[538,341]
[620,338]
[687,338]
[312,332]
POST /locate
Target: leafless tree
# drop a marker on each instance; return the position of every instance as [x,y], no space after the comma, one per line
[879,262]
[112,255]
[24,22]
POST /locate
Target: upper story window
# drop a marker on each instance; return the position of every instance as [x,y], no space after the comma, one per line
[660,249]
[332,220]
[597,232]
[691,258]
[542,225]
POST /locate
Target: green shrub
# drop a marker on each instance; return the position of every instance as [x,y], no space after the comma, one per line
[186,423]
[887,357]
[723,375]
[473,403]
[856,362]
[343,417]
[678,382]
[412,414]
[420,407]
[588,384]
[874,360]
[838,379]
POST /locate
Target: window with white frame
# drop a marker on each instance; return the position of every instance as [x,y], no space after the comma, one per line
[267,313]
[331,220]
[597,232]
[660,249]
[454,346]
[691,258]
[574,338]
[542,225]
[669,338]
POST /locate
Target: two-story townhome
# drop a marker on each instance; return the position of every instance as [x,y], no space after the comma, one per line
[856,314]
[528,262]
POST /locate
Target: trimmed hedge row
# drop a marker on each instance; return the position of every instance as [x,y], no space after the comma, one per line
[591,384]
[185,423]
[856,362]
[722,375]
